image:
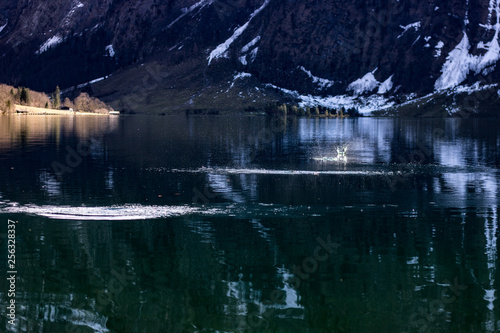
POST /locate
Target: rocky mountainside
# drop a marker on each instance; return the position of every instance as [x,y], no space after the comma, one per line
[149,55]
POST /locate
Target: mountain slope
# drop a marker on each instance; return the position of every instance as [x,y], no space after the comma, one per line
[192,51]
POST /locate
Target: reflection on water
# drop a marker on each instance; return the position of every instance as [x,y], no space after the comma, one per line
[228,224]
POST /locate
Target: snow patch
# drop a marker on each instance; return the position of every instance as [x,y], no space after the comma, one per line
[90,82]
[386,86]
[471,89]
[51,42]
[110,50]
[81,85]
[3,26]
[489,59]
[188,10]
[240,75]
[438,48]
[247,47]
[364,104]
[405,28]
[67,19]
[322,83]
[243,60]
[365,84]
[220,51]
[457,66]
[493,7]
[253,54]
[491,56]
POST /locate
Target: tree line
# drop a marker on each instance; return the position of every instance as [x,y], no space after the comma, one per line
[317,111]
[10,96]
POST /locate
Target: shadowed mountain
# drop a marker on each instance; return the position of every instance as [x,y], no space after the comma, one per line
[227,54]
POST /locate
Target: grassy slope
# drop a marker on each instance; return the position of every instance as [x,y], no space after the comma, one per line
[152,89]
[485,102]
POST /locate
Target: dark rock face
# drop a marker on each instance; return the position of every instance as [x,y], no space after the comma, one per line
[281,42]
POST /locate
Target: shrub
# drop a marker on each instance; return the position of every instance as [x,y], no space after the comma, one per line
[86,103]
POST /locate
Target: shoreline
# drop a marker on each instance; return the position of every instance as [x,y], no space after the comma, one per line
[35,111]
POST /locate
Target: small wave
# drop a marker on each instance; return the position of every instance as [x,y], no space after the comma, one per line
[109,213]
[283,172]
[140,212]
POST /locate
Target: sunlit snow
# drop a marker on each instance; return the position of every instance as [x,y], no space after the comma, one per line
[386,86]
[51,42]
[220,51]
[405,28]
[457,66]
[364,104]
[365,84]
[252,43]
[438,47]
[110,50]
[188,10]
[3,26]
[322,83]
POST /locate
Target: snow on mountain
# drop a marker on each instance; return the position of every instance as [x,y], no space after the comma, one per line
[243,60]
[367,83]
[493,54]
[240,75]
[253,54]
[51,42]
[185,11]
[110,50]
[493,7]
[386,86]
[248,46]
[405,28]
[471,88]
[322,83]
[491,57]
[364,104]
[457,66]
[67,20]
[438,48]
[318,40]
[220,51]
[3,26]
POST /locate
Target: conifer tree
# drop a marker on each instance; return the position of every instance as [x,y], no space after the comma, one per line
[57,98]
[25,96]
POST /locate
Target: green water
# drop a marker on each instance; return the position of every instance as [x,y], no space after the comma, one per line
[246,224]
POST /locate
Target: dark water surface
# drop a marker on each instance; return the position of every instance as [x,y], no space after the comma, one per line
[246,224]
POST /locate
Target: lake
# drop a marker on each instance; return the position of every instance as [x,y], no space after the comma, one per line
[250,224]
